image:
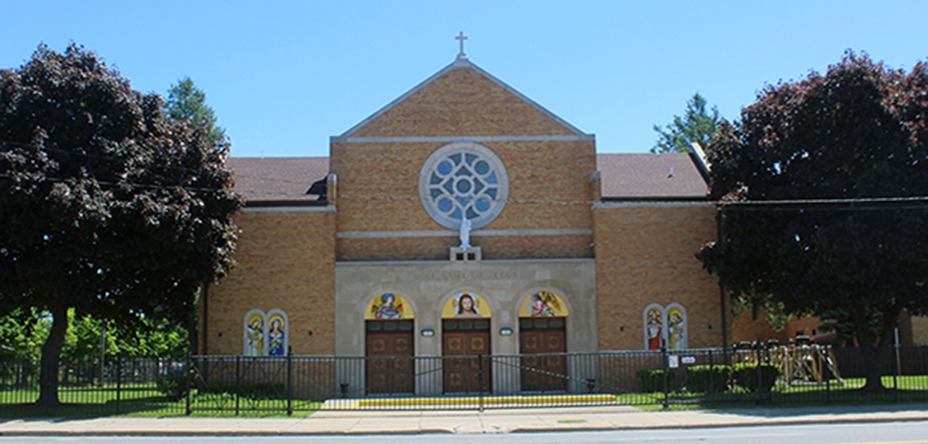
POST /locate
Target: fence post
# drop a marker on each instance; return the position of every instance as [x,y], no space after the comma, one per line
[760,394]
[118,384]
[827,390]
[289,381]
[480,380]
[189,369]
[711,377]
[666,370]
[238,382]
[898,367]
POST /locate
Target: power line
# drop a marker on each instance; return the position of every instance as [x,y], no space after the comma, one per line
[93,156]
[835,204]
[131,184]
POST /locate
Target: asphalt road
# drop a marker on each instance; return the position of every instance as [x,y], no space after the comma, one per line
[869,433]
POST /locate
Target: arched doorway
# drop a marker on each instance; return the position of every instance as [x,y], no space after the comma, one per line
[389,345]
[543,336]
[466,333]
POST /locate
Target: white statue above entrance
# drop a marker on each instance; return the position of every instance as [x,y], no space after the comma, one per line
[465,232]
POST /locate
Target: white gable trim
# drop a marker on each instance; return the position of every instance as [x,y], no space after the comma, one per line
[449,139]
[287,209]
[448,233]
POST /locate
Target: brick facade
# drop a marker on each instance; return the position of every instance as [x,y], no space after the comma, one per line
[558,230]
[285,260]
[644,255]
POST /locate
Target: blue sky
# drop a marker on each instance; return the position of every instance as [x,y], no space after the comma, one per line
[285,76]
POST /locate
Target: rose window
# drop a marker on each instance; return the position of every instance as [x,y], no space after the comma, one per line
[463,178]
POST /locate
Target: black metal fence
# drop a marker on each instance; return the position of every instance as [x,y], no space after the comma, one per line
[241,385]
[87,389]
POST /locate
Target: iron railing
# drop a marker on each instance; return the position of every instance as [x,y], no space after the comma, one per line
[242,385]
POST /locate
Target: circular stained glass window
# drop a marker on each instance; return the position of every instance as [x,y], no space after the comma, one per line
[463,178]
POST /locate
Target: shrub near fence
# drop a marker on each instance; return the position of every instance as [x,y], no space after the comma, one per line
[708,378]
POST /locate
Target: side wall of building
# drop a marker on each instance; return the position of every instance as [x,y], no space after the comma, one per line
[286,261]
[920,330]
[645,255]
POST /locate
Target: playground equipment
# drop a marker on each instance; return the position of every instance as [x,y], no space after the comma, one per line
[800,363]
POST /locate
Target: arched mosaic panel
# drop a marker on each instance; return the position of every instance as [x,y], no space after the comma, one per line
[254,334]
[653,317]
[543,303]
[463,178]
[676,327]
[278,338]
[266,334]
[466,305]
[665,326]
[389,306]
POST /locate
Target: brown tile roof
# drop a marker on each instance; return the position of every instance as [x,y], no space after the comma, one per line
[624,176]
[262,179]
[637,176]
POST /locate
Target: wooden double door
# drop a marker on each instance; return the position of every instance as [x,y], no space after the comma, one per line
[466,356]
[390,351]
[547,339]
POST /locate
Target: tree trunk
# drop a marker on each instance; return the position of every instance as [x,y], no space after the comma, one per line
[873,366]
[873,356]
[51,356]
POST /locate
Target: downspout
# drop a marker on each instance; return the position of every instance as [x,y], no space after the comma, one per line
[718,244]
[205,317]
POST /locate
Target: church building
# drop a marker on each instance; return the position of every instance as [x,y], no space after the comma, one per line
[463,219]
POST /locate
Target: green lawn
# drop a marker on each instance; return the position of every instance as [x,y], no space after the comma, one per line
[911,389]
[87,402]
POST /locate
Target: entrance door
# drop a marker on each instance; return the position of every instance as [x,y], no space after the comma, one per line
[390,357]
[546,339]
[466,338]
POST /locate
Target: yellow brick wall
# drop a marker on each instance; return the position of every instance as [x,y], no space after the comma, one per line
[746,328]
[462,103]
[645,255]
[920,330]
[378,192]
[286,260]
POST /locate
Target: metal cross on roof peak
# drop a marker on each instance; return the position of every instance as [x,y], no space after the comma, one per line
[461,37]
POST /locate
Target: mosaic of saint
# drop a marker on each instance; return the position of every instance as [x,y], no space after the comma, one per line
[388,306]
[466,305]
[664,326]
[265,333]
[543,304]
[654,327]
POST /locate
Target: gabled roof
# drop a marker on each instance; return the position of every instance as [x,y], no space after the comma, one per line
[461,100]
[624,176]
[269,179]
[641,176]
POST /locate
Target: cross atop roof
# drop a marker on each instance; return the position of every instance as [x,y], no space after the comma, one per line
[461,37]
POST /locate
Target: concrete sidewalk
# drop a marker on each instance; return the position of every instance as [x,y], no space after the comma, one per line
[495,421]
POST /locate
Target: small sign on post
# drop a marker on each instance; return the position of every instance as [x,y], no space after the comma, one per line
[673,361]
[689,360]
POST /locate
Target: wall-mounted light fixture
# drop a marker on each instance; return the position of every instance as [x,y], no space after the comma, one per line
[428,332]
[505,331]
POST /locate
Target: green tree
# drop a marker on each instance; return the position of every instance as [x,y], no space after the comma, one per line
[810,183]
[107,206]
[22,332]
[187,102]
[696,126]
